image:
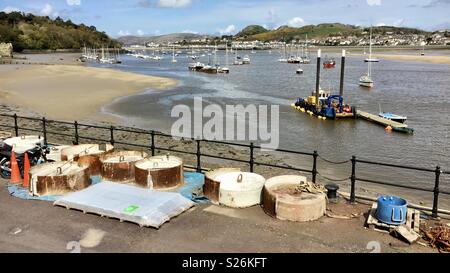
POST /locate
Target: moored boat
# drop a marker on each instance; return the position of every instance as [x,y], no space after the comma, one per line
[393,117]
[330,63]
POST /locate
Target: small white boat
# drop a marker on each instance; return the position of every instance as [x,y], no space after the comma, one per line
[196,66]
[246,60]
[366,81]
[393,117]
[299,71]
[224,70]
[372,60]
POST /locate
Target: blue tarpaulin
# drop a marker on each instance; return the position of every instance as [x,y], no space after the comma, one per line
[192,189]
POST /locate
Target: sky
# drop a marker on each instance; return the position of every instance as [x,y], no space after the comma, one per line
[224,17]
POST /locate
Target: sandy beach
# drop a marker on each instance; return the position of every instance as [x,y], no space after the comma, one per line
[410,58]
[70,92]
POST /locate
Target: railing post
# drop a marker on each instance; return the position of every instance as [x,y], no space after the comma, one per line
[77,137]
[252,157]
[16,126]
[152,147]
[434,213]
[353,181]
[314,170]
[199,164]
[44,130]
[112,135]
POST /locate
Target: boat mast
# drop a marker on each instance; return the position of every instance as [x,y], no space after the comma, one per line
[215,54]
[369,72]
[226,53]
[306,47]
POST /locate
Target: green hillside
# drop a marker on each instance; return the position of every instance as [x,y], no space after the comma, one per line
[27,31]
[251,30]
[325,30]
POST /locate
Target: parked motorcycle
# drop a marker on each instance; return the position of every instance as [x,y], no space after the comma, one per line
[36,155]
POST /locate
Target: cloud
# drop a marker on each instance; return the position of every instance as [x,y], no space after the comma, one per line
[173,3]
[296,22]
[144,3]
[10,9]
[374,2]
[47,10]
[189,31]
[398,23]
[228,30]
[140,32]
[435,3]
[124,33]
[73,2]
[272,18]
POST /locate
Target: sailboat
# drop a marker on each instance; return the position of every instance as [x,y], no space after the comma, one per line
[366,80]
[105,58]
[305,57]
[284,58]
[173,55]
[225,69]
[370,59]
[238,59]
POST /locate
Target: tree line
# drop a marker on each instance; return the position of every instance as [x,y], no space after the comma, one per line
[28,31]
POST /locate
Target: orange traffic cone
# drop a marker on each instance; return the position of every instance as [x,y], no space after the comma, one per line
[15,172]
[26,169]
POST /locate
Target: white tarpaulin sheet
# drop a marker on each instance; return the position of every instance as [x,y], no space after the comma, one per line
[128,203]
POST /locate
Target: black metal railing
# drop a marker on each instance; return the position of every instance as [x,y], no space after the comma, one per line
[252,161]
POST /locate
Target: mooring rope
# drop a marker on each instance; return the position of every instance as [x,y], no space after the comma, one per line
[335,162]
[334,179]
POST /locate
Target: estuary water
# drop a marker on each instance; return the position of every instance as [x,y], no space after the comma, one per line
[418,90]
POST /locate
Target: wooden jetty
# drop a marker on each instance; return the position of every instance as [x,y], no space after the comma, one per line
[396,126]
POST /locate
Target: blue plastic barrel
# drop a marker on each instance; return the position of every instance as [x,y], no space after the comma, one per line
[392,210]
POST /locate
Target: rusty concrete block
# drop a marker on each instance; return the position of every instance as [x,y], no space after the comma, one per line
[119,166]
[159,172]
[57,178]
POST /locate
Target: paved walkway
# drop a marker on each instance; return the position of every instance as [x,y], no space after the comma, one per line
[37,226]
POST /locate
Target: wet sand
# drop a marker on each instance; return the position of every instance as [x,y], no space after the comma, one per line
[71,92]
[410,58]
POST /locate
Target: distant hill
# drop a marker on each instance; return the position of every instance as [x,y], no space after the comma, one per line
[27,31]
[325,30]
[140,40]
[251,30]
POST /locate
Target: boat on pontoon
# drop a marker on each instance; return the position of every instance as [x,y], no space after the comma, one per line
[393,117]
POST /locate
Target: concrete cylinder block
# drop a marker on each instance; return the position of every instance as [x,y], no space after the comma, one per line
[282,200]
[211,188]
[87,155]
[240,190]
[119,166]
[57,178]
[159,172]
